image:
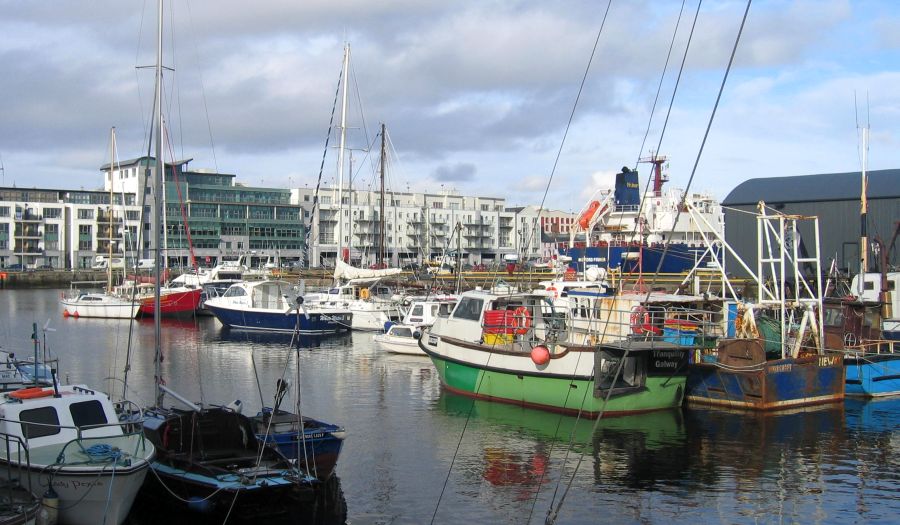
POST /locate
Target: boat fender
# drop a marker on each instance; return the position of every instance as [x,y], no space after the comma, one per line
[65,313]
[235,406]
[49,513]
[521,320]
[540,355]
[364,293]
[417,334]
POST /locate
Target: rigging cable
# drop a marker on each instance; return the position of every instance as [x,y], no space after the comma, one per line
[568,125]
[709,124]
[315,204]
[540,208]
[554,513]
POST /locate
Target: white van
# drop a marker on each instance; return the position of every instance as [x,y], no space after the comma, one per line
[146,264]
[100,263]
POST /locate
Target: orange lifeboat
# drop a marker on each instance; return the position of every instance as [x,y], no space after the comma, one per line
[584,220]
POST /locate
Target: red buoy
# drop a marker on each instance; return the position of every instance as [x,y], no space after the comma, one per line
[75,315]
[540,355]
[65,313]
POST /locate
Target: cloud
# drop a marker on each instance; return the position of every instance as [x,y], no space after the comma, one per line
[455,172]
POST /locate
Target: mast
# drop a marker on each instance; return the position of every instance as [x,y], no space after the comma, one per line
[112,159]
[381,213]
[340,167]
[863,211]
[157,205]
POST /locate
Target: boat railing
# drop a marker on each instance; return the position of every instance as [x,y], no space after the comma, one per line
[132,442]
[17,458]
[873,347]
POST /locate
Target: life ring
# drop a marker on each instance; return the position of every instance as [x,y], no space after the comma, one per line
[849,339]
[364,293]
[554,291]
[521,320]
[31,393]
[641,323]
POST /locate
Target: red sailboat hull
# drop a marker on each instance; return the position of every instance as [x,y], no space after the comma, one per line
[173,302]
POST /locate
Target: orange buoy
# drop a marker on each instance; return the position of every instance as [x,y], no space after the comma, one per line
[65,313]
[75,315]
[540,355]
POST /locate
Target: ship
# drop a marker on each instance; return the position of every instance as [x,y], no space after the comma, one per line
[619,230]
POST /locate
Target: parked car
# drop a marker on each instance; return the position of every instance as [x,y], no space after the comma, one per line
[15,267]
[45,267]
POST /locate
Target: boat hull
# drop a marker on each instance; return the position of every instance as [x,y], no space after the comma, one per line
[87,496]
[772,385]
[184,302]
[316,452]
[398,345]
[325,322]
[565,385]
[873,375]
[103,309]
[634,259]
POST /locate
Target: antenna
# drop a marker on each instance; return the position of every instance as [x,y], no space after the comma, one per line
[2,172]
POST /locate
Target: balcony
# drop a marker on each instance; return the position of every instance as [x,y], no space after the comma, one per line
[28,233]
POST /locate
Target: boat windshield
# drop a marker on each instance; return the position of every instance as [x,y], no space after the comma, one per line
[235,291]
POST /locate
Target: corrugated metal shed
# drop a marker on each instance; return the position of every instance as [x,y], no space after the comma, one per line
[833,197]
[815,188]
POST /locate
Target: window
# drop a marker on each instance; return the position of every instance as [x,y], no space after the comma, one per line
[235,291]
[132,215]
[85,214]
[631,374]
[306,198]
[87,413]
[47,422]
[4,211]
[469,308]
[52,213]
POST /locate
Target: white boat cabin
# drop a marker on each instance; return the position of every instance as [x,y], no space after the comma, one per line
[40,418]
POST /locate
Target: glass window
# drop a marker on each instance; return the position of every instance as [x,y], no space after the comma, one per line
[235,291]
[469,308]
[631,374]
[402,331]
[47,419]
[87,413]
[417,310]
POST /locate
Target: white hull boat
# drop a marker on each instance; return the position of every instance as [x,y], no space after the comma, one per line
[73,442]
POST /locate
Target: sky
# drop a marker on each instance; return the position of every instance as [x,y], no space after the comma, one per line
[476,95]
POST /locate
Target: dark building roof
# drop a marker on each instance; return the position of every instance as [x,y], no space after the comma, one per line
[883,184]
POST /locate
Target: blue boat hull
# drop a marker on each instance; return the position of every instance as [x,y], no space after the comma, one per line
[679,257]
[313,323]
[772,385]
[316,451]
[873,375]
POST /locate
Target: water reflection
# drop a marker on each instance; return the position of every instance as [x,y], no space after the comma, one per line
[509,465]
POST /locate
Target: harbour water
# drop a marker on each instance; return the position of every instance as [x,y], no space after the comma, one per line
[415,454]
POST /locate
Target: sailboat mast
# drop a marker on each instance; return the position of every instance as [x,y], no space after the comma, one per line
[157,204]
[340,222]
[381,213]
[109,222]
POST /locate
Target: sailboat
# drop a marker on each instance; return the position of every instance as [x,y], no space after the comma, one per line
[208,456]
[355,288]
[111,303]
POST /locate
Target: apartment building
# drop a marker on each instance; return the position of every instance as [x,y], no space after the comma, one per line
[419,226]
[47,228]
